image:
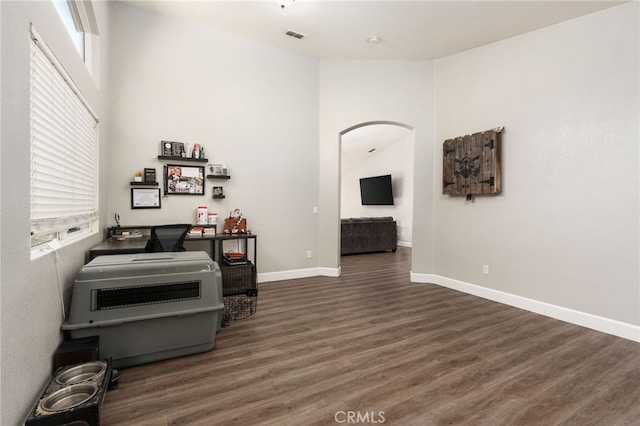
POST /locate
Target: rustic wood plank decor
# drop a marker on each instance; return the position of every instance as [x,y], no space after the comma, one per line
[471,164]
[371,342]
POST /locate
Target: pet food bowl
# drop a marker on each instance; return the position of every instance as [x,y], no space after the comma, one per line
[69,397]
[80,373]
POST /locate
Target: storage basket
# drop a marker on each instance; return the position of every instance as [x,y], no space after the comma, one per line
[239,290]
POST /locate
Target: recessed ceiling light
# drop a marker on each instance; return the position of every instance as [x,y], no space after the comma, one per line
[373,40]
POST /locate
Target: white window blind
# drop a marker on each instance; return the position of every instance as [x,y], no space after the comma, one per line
[64,191]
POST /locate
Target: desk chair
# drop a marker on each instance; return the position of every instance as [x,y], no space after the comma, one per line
[167,238]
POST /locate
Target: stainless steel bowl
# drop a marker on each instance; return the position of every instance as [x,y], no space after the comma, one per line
[80,373]
[69,397]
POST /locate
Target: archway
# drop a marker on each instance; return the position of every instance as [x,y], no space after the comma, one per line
[378,148]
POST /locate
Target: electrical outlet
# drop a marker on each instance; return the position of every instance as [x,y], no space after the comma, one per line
[315,209]
[309,254]
[485,269]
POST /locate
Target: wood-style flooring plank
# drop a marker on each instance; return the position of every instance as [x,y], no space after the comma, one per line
[376,347]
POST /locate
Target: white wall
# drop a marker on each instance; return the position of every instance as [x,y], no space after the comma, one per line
[397,160]
[252,107]
[355,92]
[31,312]
[565,229]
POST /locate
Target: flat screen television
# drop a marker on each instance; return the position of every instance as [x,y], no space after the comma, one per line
[376,191]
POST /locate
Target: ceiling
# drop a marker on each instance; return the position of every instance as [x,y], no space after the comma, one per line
[414,30]
[364,142]
[407,30]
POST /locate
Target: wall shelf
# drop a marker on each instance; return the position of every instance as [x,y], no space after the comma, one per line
[218,177]
[171,158]
[218,197]
[145,183]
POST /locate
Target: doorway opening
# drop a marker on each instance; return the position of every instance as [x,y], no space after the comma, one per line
[378,148]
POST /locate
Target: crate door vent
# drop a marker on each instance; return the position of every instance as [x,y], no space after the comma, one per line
[124,297]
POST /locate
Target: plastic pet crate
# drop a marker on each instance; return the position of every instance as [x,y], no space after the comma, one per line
[147,307]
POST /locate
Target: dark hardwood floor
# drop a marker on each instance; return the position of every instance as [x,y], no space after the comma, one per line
[370,347]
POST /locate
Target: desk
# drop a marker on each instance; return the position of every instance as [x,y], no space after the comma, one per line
[137,245]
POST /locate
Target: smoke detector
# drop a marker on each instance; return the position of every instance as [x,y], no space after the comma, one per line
[373,40]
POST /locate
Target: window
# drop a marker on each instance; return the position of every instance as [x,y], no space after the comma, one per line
[80,21]
[72,23]
[64,137]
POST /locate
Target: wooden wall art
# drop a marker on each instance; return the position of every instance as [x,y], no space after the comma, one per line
[471,164]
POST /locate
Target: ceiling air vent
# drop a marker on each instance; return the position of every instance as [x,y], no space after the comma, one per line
[294,34]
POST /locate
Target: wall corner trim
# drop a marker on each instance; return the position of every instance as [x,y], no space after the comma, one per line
[594,322]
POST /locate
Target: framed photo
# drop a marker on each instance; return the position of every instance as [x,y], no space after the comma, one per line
[216,169]
[166,148]
[177,149]
[145,198]
[183,180]
[149,175]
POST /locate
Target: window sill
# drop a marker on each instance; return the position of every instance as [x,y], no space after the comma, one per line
[56,244]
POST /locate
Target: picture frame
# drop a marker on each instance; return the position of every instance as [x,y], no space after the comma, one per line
[145,198]
[177,149]
[149,175]
[166,148]
[184,180]
[216,170]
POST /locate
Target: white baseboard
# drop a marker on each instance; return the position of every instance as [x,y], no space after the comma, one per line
[405,243]
[299,273]
[594,322]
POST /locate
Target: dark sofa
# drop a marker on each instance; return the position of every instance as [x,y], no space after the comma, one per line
[368,234]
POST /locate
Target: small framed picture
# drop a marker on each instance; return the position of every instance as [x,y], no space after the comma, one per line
[216,170]
[145,198]
[177,149]
[218,191]
[166,148]
[149,175]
